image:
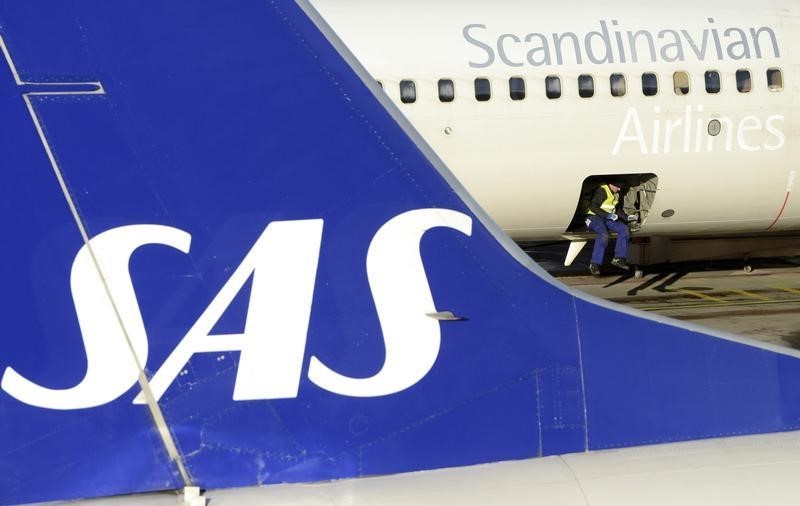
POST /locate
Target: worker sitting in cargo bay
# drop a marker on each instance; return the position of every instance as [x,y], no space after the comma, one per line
[605,214]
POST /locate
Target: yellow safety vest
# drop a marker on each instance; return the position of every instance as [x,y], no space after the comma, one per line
[609,205]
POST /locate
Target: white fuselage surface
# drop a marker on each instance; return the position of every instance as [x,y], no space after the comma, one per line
[532,104]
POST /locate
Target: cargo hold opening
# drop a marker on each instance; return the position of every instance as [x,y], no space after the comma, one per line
[637,191]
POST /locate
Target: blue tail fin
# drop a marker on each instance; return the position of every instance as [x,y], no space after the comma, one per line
[227,264]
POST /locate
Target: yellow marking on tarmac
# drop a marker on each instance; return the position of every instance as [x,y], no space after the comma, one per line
[668,307]
[701,295]
[787,289]
[749,294]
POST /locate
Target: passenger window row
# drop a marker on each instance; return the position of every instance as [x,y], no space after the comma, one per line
[681,84]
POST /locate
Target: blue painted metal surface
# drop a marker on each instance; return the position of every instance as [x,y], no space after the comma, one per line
[219,119]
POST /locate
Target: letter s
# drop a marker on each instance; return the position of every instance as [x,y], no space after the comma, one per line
[112,331]
[476,42]
[776,131]
[402,298]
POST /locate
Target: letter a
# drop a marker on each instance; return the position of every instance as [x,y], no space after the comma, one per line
[283,265]
[631,118]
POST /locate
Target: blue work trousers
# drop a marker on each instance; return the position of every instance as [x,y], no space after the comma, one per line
[602,226]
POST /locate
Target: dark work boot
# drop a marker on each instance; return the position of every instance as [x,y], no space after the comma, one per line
[594,269]
[621,263]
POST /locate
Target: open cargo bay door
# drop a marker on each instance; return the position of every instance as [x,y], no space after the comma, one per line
[638,193]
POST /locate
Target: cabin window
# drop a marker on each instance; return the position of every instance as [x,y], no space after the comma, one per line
[483,90]
[408,92]
[713,84]
[552,85]
[680,81]
[447,90]
[744,83]
[618,87]
[649,84]
[585,86]
[775,79]
[516,88]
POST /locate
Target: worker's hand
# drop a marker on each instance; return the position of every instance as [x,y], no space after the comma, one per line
[612,217]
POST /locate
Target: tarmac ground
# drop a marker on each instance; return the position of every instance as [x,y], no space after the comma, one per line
[761,302]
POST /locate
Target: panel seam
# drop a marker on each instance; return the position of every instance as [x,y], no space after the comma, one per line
[153,407]
[583,382]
